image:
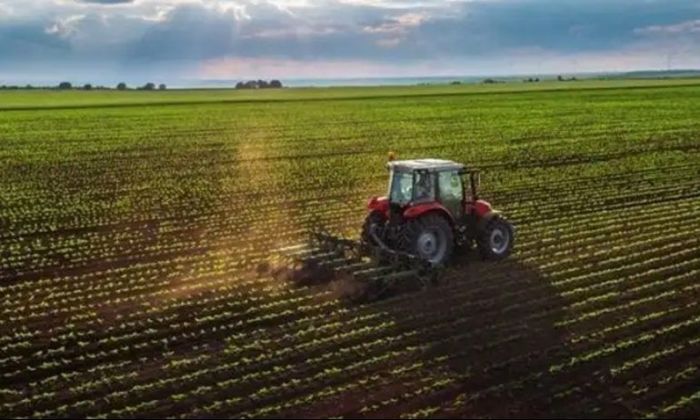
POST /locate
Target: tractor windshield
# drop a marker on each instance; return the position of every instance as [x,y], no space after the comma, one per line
[401,189]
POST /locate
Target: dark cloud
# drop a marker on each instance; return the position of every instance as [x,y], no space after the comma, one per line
[190,32]
[29,41]
[564,26]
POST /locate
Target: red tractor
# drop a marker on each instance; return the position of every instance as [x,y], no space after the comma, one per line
[428,212]
[409,234]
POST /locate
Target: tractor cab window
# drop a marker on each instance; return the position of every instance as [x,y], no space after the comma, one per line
[450,191]
[401,189]
[424,186]
[450,185]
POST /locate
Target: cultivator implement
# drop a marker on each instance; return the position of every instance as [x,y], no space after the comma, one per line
[360,271]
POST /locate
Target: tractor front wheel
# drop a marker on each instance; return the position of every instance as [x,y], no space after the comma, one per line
[495,239]
[431,238]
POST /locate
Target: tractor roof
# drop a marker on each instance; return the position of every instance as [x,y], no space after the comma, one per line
[425,164]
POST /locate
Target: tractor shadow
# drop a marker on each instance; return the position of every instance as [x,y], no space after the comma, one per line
[500,326]
[495,332]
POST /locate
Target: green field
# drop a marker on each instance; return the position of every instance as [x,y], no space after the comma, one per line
[41,98]
[132,224]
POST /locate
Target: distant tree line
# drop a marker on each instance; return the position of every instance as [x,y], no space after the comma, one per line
[87,86]
[259,84]
[560,78]
[250,84]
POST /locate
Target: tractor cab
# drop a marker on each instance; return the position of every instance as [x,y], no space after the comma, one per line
[424,181]
[428,210]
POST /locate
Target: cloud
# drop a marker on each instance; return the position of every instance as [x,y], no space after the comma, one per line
[5,11]
[189,31]
[29,41]
[106,2]
[65,27]
[397,25]
[388,42]
[562,25]
[687,27]
[199,37]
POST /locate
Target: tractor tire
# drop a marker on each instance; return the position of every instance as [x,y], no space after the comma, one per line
[375,217]
[431,238]
[495,239]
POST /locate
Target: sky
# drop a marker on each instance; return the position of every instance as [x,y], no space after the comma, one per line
[177,41]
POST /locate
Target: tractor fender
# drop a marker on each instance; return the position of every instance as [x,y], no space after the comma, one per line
[380,204]
[486,218]
[482,208]
[419,210]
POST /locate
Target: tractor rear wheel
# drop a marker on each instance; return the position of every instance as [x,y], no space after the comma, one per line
[431,238]
[495,239]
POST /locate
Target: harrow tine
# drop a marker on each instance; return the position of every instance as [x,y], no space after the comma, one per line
[396,275]
[358,266]
[372,272]
[291,248]
[319,258]
[335,263]
[301,253]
